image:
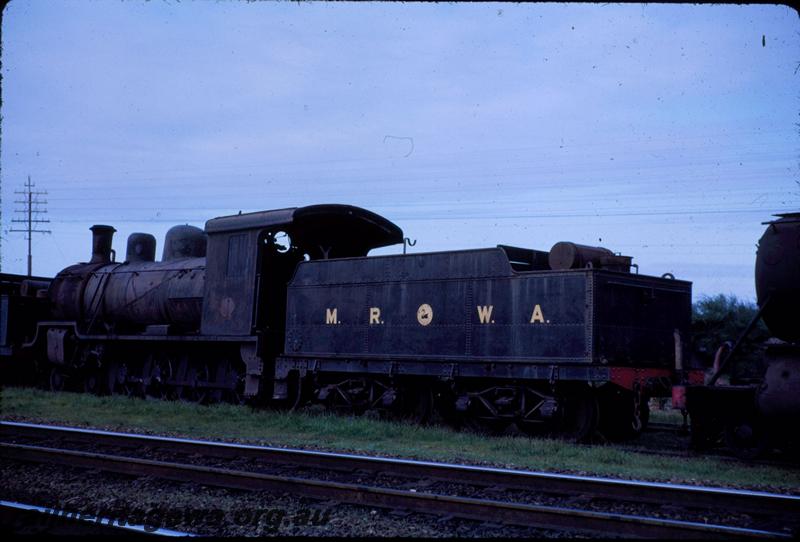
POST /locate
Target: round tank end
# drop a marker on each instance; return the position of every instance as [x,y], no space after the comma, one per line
[563,255]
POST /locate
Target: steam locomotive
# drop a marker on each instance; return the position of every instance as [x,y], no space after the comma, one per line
[286,307]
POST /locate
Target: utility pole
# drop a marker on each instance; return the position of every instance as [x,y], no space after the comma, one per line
[31,211]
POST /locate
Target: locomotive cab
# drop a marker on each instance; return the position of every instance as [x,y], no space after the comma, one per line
[252,257]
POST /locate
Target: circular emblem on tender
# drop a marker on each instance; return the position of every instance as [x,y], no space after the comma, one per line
[424,314]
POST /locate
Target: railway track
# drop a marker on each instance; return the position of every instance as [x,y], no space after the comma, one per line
[784,458]
[500,483]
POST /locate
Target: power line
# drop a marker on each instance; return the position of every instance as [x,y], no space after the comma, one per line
[710,139]
[30,212]
[491,214]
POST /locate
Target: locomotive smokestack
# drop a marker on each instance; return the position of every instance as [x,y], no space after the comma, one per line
[101,243]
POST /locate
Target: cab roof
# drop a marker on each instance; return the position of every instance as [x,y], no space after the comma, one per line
[351,229]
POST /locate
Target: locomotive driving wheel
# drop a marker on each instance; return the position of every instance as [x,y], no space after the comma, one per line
[117,378]
[190,380]
[157,373]
[177,383]
[203,387]
[91,370]
[135,382]
[236,378]
[228,384]
[197,379]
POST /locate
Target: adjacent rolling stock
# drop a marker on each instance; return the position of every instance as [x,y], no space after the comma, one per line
[753,415]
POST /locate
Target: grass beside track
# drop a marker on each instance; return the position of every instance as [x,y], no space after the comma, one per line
[363,435]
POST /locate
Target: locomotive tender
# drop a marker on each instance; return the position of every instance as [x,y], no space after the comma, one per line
[286,306]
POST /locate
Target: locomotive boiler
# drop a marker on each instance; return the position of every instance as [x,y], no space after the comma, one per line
[138,291]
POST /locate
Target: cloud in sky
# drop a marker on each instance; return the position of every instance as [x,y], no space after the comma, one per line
[667,131]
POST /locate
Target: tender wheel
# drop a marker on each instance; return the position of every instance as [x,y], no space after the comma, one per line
[746,438]
[136,388]
[445,405]
[415,404]
[92,382]
[56,379]
[580,417]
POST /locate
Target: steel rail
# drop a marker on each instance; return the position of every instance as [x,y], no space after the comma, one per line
[546,517]
[637,491]
[20,516]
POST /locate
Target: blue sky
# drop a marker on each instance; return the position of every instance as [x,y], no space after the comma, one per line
[666,132]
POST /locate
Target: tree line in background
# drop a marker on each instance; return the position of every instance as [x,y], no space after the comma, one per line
[720,318]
